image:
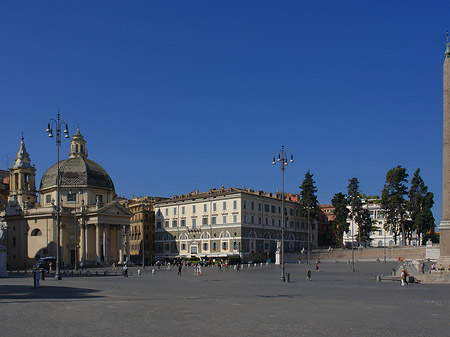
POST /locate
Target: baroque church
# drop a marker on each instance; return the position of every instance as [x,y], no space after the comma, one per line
[94,227]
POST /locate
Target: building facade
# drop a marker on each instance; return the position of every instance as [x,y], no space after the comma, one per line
[326,237]
[381,237]
[92,223]
[142,225]
[224,223]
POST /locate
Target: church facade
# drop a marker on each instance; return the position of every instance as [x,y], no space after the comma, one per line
[94,227]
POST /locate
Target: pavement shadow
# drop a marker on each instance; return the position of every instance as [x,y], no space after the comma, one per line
[25,292]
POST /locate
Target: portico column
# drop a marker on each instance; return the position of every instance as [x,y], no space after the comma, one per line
[120,244]
[83,244]
[105,243]
[128,242]
[97,244]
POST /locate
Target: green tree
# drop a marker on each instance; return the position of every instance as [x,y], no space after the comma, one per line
[367,226]
[394,203]
[308,198]
[340,225]
[420,204]
[355,203]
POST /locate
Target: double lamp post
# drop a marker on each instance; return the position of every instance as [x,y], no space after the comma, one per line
[282,158]
[55,125]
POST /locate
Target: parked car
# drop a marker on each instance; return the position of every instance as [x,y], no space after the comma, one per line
[45,262]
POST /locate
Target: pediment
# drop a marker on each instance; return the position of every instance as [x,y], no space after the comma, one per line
[114,208]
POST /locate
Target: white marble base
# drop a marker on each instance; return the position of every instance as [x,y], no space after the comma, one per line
[3,271]
[277,257]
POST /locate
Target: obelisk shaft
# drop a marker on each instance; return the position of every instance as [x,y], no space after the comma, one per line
[446,152]
[444,226]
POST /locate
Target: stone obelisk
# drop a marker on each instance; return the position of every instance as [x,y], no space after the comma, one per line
[445,223]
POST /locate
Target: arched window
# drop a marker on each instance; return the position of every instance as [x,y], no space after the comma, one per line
[252,234]
[205,235]
[266,236]
[36,232]
[168,237]
[225,234]
[380,243]
[183,237]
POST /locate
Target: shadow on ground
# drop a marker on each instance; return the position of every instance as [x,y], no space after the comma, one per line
[22,292]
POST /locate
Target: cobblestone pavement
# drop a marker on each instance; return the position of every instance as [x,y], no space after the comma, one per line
[252,302]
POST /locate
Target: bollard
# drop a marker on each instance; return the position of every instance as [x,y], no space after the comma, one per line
[139,272]
[153,272]
[36,276]
[43,274]
[288,277]
[378,278]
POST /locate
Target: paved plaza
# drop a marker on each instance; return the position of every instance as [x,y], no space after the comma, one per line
[252,302]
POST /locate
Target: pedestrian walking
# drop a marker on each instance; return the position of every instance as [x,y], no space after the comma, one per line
[81,265]
[308,275]
[238,267]
[404,276]
[125,270]
[180,267]
[220,266]
[317,265]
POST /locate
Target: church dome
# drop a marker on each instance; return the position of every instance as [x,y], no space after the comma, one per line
[77,171]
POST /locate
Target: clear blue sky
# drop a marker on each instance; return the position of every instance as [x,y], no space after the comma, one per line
[173,96]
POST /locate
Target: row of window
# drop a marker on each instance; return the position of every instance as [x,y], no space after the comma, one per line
[205,246]
[267,208]
[270,208]
[273,222]
[194,222]
[72,197]
[205,208]
[252,247]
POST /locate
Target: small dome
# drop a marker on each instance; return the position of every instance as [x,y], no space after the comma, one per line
[77,171]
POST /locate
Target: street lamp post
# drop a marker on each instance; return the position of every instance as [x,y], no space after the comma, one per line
[309,239]
[56,124]
[353,252]
[283,159]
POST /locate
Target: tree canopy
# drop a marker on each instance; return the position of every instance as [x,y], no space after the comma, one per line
[308,197]
[394,203]
[420,204]
[339,224]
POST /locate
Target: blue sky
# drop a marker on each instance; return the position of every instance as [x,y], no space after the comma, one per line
[173,96]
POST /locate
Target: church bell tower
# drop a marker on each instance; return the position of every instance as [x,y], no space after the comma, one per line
[22,188]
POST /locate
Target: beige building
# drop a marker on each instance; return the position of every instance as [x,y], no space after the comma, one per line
[142,224]
[93,225]
[228,223]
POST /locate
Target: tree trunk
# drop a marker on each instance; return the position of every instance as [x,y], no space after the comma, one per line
[403,235]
